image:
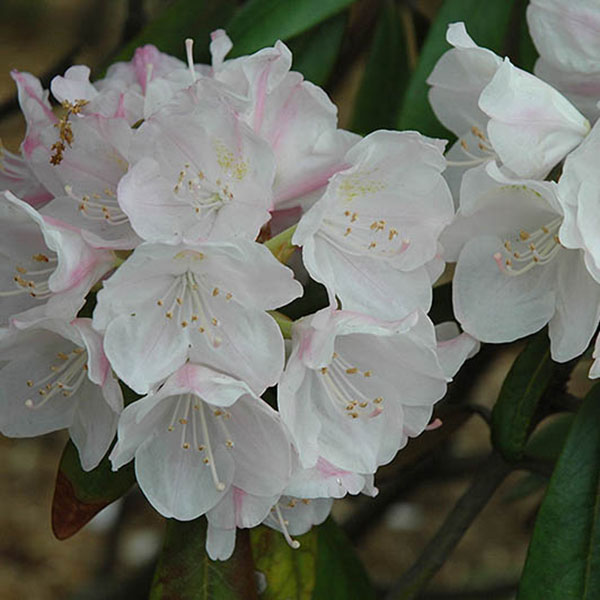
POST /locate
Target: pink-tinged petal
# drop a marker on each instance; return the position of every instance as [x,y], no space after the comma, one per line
[38,114]
[532,126]
[75,85]
[582,89]
[212,176]
[98,366]
[324,480]
[17,177]
[214,388]
[220,45]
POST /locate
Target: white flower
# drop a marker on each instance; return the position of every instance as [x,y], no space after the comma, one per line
[294,116]
[55,375]
[355,388]
[166,304]
[84,181]
[47,268]
[566,36]
[196,436]
[513,276]
[532,127]
[579,195]
[372,238]
[204,176]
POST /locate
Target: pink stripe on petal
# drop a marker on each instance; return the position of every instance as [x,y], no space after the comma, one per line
[311,183]
[261,94]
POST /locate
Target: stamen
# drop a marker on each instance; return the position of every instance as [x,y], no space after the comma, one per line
[189,46]
[295,544]
[210,458]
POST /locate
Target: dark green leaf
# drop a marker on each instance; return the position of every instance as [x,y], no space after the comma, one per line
[182,19]
[315,51]
[79,495]
[340,574]
[487,23]
[521,391]
[386,75]
[185,572]
[563,562]
[548,440]
[261,23]
[288,573]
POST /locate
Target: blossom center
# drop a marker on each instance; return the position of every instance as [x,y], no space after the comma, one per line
[342,385]
[529,249]
[33,278]
[186,303]
[97,207]
[204,196]
[191,415]
[65,378]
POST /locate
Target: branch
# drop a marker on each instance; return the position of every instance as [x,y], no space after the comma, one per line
[487,480]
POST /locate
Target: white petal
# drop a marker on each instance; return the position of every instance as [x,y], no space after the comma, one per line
[532,126]
[496,307]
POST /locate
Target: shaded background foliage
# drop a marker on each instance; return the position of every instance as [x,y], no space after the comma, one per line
[372,57]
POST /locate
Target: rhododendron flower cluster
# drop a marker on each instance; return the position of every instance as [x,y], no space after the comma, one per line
[146,226]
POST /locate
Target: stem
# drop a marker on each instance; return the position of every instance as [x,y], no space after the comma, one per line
[486,481]
[284,322]
[281,245]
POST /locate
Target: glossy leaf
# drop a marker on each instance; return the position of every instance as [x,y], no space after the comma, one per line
[563,562]
[487,23]
[386,75]
[521,391]
[184,571]
[80,495]
[316,51]
[261,23]
[178,21]
[284,573]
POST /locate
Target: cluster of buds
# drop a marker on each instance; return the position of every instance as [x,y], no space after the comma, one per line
[146,233]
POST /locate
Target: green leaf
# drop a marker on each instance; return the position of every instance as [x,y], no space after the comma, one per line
[487,23]
[288,574]
[546,442]
[521,391]
[185,572]
[340,574]
[386,75]
[563,561]
[79,495]
[316,51]
[261,23]
[180,20]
